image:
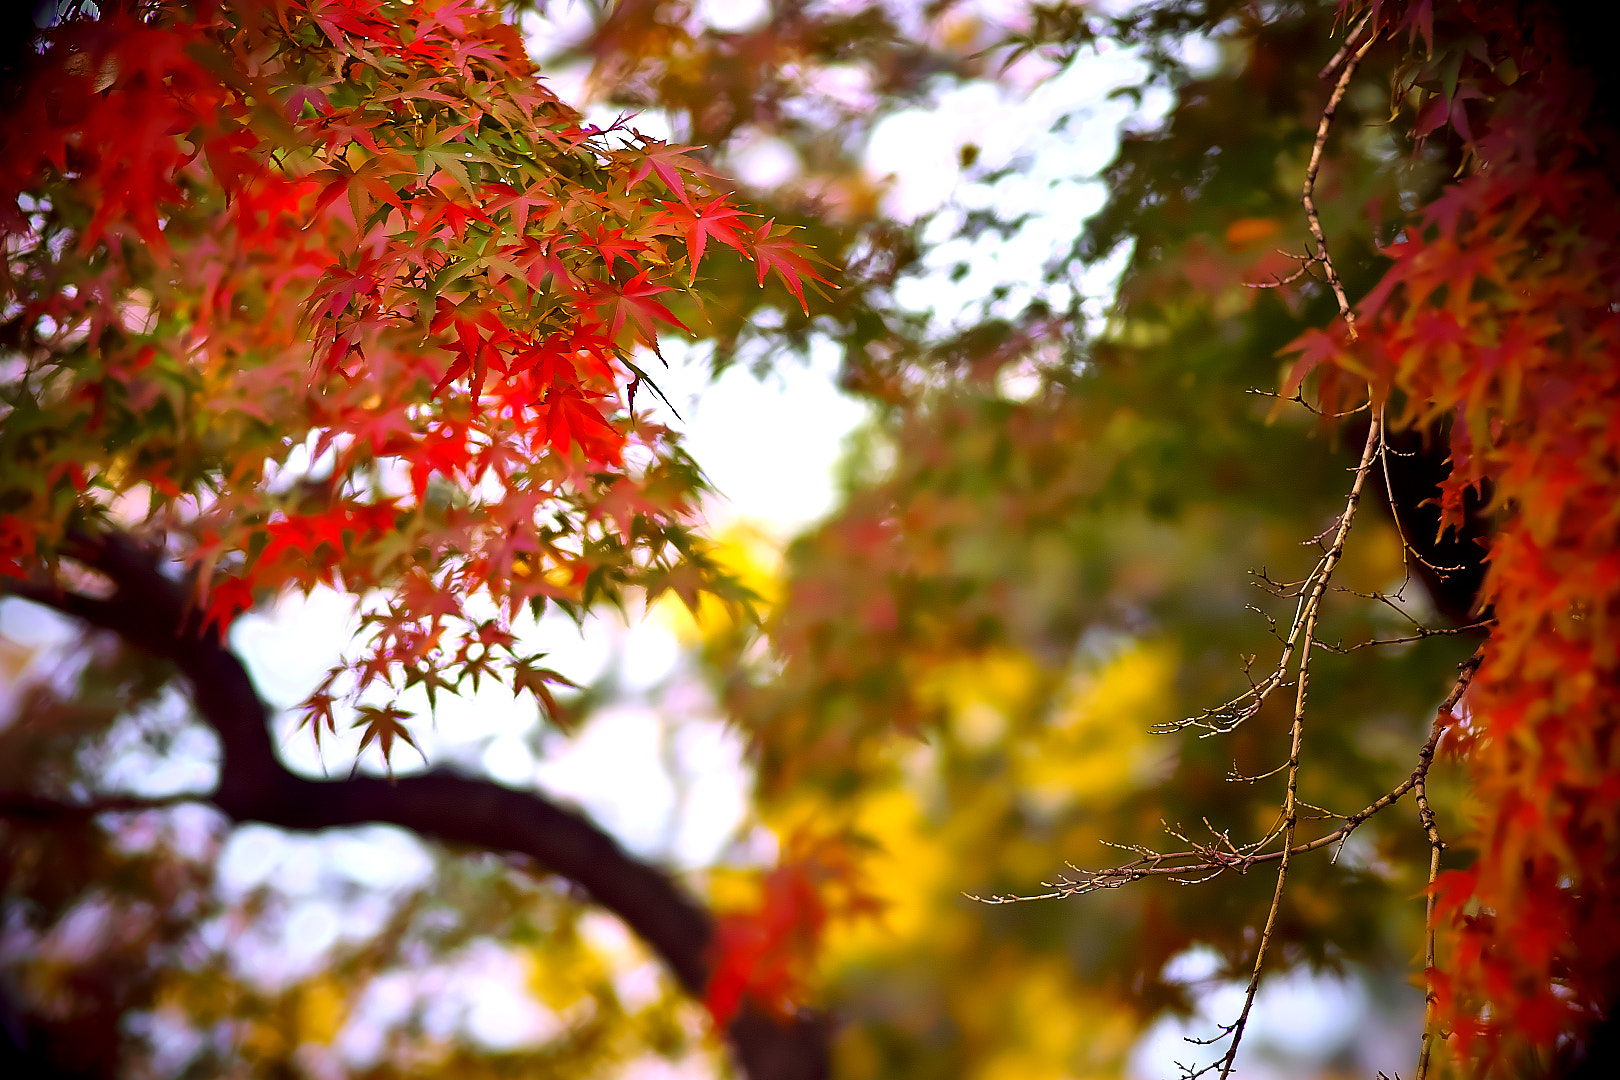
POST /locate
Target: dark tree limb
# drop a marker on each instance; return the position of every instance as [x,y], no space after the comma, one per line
[150,610]
[23,806]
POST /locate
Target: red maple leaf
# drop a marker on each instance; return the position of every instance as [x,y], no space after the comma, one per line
[539,681]
[612,244]
[317,709]
[718,220]
[667,161]
[1314,347]
[506,197]
[383,726]
[633,301]
[774,251]
[766,954]
[539,259]
[442,451]
[573,420]
[227,599]
[16,541]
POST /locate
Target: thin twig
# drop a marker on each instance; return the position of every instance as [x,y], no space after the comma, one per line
[1297,398]
[1308,194]
[1276,282]
[1344,50]
[1242,857]
[1307,591]
[1394,512]
[1423,633]
[1431,1000]
[1235,777]
[1228,716]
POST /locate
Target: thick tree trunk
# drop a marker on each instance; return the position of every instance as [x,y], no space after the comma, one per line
[150,611]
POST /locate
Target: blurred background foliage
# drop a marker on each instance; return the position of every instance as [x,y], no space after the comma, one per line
[1045,548]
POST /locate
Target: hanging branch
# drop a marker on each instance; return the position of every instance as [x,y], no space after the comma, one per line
[1200,861]
[1430,996]
[1344,62]
[1408,551]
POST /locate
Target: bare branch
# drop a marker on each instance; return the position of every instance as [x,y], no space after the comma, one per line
[1431,1002]
[1235,777]
[1423,632]
[1345,62]
[1308,195]
[1243,857]
[1302,682]
[1350,40]
[1203,862]
[1276,282]
[1298,398]
[1308,592]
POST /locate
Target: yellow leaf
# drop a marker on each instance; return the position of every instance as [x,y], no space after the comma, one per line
[749,555]
[322,1008]
[1098,745]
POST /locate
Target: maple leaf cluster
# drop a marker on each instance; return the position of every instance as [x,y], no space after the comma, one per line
[1500,312]
[337,292]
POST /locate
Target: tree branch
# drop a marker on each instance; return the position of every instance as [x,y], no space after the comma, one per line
[151,611]
[1204,861]
[25,806]
[1302,681]
[1308,193]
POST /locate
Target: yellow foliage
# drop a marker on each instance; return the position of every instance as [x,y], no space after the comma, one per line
[321,1010]
[1020,1016]
[731,890]
[978,693]
[1035,1013]
[261,1041]
[562,972]
[748,553]
[1098,745]
[907,866]
[907,871]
